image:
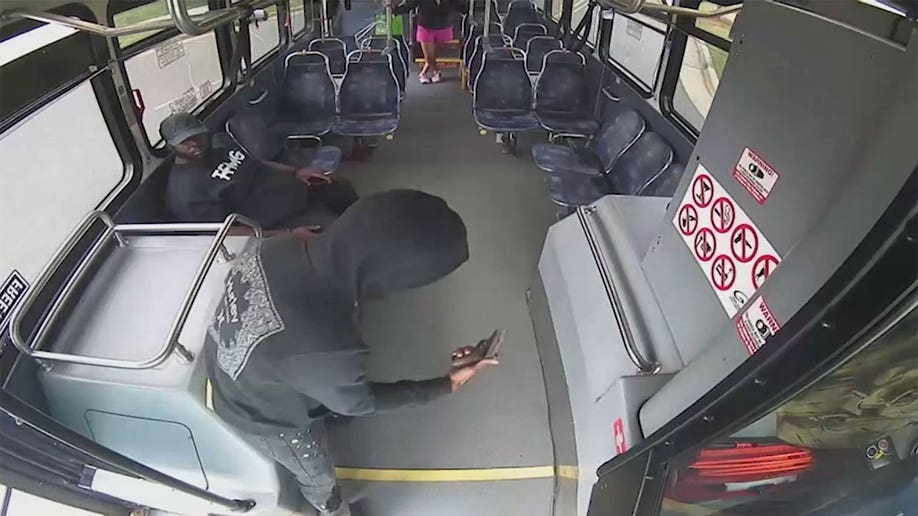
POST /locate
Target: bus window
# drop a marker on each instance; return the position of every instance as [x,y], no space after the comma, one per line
[297,16]
[557,8]
[58,164]
[636,48]
[264,35]
[702,66]
[845,445]
[577,14]
[178,74]
[152,11]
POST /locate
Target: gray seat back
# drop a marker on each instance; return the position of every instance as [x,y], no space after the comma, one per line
[665,183]
[503,83]
[536,49]
[618,132]
[644,160]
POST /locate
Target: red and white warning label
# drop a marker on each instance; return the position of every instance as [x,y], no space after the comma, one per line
[618,433]
[756,325]
[756,176]
[734,255]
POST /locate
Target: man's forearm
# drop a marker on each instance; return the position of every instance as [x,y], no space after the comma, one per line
[279,167]
[408,393]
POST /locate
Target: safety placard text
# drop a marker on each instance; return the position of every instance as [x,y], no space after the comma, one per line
[733,254]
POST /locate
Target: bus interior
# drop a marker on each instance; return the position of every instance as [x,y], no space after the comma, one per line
[695,218]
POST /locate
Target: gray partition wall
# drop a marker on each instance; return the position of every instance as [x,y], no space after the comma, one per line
[833,111]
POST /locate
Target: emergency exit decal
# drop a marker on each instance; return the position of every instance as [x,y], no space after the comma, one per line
[11,293]
[731,252]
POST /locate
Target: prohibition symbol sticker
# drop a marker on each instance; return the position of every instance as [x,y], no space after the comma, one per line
[723,272]
[705,244]
[744,243]
[762,268]
[688,219]
[702,190]
[722,215]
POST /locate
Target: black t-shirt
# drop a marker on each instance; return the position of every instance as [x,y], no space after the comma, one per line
[228,181]
[432,14]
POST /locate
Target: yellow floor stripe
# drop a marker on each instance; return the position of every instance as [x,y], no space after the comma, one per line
[438,475]
[449,475]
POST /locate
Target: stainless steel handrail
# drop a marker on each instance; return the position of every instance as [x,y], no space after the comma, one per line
[193,25]
[644,366]
[112,231]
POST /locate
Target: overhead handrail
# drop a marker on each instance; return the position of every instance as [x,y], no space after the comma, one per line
[179,17]
[634,6]
[644,365]
[117,232]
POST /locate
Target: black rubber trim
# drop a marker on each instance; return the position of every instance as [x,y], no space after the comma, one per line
[878,274]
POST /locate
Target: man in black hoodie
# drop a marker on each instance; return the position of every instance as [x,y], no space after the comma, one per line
[285,350]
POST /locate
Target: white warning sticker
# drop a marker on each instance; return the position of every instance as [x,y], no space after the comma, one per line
[755,175]
[756,325]
[733,254]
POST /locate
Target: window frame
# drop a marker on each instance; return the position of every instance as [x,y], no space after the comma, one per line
[102,82]
[867,291]
[632,81]
[295,35]
[223,40]
[680,31]
[283,38]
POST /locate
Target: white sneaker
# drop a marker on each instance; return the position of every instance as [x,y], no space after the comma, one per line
[436,77]
[423,79]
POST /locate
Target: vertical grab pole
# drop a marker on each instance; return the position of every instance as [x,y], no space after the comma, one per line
[487,20]
[326,26]
[389,44]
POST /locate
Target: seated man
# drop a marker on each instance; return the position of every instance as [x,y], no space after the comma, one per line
[209,182]
[285,350]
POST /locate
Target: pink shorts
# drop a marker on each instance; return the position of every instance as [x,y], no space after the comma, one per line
[434,35]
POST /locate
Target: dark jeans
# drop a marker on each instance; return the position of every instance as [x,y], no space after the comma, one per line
[326,203]
[305,455]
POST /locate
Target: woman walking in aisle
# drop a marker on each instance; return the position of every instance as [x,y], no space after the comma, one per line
[434,27]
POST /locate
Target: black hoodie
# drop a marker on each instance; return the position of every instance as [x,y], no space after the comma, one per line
[285,348]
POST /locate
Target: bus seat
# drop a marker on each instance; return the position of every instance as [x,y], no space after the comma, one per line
[350,43]
[561,103]
[471,41]
[481,47]
[648,157]
[399,64]
[526,31]
[147,204]
[641,163]
[249,130]
[309,103]
[336,52]
[379,43]
[619,131]
[369,98]
[536,49]
[503,94]
[156,415]
[665,183]
[518,14]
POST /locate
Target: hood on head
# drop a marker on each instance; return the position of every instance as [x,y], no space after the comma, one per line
[391,241]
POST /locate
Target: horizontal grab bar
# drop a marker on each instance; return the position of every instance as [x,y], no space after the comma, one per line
[116,231]
[644,366]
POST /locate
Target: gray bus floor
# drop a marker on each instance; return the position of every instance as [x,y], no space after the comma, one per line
[500,419]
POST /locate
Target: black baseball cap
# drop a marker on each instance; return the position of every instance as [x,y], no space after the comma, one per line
[178,127]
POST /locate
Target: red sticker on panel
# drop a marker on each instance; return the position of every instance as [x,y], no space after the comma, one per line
[723,272]
[744,243]
[762,268]
[722,215]
[618,433]
[702,190]
[705,244]
[688,219]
